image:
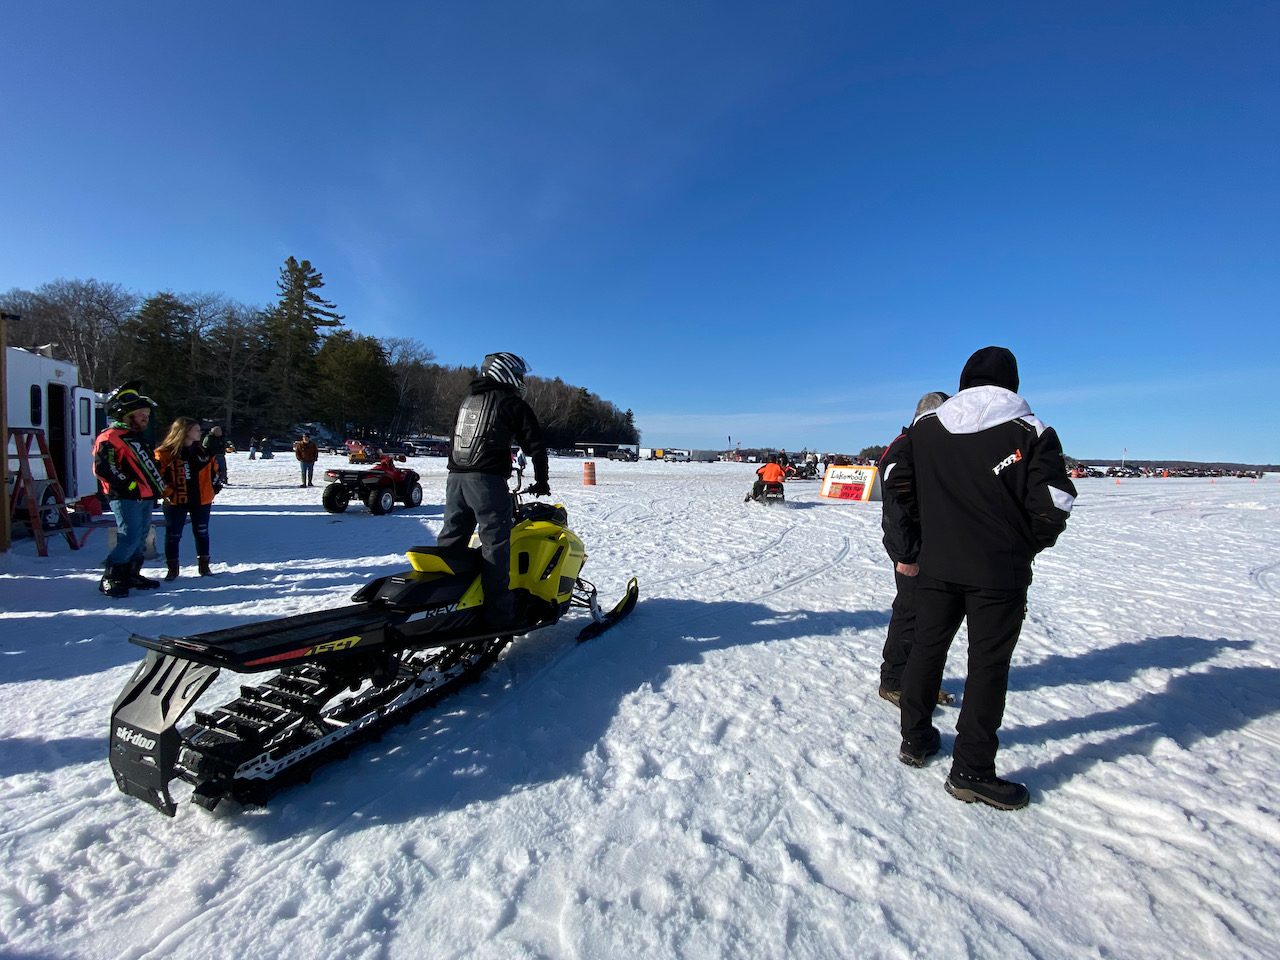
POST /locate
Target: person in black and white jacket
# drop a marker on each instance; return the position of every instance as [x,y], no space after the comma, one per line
[987,484]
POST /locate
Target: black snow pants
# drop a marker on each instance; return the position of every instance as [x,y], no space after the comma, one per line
[995,622]
[901,634]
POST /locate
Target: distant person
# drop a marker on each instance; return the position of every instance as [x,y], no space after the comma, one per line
[124,463]
[902,543]
[987,484]
[218,447]
[264,449]
[476,494]
[307,453]
[253,449]
[190,471]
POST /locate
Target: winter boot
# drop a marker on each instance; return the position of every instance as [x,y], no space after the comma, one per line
[136,579]
[1001,794]
[114,582]
[173,570]
[915,754]
[203,563]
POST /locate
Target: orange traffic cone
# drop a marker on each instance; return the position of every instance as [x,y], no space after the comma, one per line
[589,474]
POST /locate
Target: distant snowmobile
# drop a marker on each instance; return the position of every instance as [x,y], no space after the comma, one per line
[345,674]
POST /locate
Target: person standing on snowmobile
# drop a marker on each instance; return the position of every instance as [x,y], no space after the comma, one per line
[124,463]
[476,495]
[902,543]
[987,483]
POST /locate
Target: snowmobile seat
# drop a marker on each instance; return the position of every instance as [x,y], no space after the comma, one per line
[463,561]
[773,493]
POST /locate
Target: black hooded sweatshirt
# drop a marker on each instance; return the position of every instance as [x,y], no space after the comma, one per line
[488,420]
[984,479]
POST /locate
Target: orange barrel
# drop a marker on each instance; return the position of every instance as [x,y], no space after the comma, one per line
[589,474]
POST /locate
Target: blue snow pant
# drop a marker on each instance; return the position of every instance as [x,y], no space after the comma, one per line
[133,521]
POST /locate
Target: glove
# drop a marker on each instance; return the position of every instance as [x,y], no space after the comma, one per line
[539,488]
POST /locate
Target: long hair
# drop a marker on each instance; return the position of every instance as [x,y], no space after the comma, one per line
[176,437]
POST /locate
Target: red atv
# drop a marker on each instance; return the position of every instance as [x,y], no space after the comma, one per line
[378,488]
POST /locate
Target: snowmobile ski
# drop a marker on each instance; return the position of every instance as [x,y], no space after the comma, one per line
[341,676]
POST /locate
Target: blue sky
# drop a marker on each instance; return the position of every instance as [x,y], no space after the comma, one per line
[780,222]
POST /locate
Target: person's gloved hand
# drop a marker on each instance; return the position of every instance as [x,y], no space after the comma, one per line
[539,488]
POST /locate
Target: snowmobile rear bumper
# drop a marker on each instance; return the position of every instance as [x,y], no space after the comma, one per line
[144,725]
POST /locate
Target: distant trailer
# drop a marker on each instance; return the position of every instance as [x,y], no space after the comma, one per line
[45,394]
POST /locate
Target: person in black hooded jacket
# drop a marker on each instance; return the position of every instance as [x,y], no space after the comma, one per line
[988,486]
[476,494]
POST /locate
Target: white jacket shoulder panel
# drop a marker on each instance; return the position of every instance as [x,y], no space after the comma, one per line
[981,408]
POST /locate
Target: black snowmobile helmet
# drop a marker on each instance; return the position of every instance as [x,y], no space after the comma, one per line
[991,366]
[505,368]
[125,399]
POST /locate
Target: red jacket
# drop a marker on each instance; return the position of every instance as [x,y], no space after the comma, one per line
[125,465]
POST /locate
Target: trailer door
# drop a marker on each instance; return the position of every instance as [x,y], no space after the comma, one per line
[80,438]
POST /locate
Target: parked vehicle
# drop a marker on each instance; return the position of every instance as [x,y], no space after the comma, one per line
[622,453]
[378,489]
[44,394]
[360,452]
[431,448]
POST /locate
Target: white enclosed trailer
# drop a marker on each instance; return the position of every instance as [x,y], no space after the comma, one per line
[45,394]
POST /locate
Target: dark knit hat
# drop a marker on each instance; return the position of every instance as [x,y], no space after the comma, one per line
[994,366]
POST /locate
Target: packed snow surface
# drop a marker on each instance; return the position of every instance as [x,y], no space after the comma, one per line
[715,777]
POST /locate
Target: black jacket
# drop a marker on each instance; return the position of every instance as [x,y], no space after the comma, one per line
[488,421]
[987,484]
[901,533]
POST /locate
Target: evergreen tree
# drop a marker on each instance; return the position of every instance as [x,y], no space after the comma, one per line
[158,335]
[293,330]
[355,388]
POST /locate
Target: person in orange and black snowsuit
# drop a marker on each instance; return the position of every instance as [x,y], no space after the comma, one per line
[125,466]
[307,453]
[769,473]
[191,480]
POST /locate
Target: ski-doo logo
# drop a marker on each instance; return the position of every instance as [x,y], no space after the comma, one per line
[1008,461]
[135,738]
[440,611]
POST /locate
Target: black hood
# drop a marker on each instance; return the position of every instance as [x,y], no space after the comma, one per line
[489,385]
[995,366]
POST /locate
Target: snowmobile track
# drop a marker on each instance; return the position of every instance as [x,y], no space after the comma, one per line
[1268,578]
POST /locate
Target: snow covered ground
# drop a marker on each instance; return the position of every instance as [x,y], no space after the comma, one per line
[715,777]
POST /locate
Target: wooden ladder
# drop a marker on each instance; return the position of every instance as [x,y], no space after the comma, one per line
[22,437]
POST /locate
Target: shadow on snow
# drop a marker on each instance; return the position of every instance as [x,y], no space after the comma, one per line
[534,716]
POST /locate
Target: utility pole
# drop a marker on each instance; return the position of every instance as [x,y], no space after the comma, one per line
[5,532]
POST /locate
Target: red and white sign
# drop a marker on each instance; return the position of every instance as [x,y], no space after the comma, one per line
[851,483]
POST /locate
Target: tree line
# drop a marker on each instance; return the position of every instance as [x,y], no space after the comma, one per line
[264,370]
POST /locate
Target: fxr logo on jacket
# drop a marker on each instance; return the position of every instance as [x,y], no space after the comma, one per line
[1008,461]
